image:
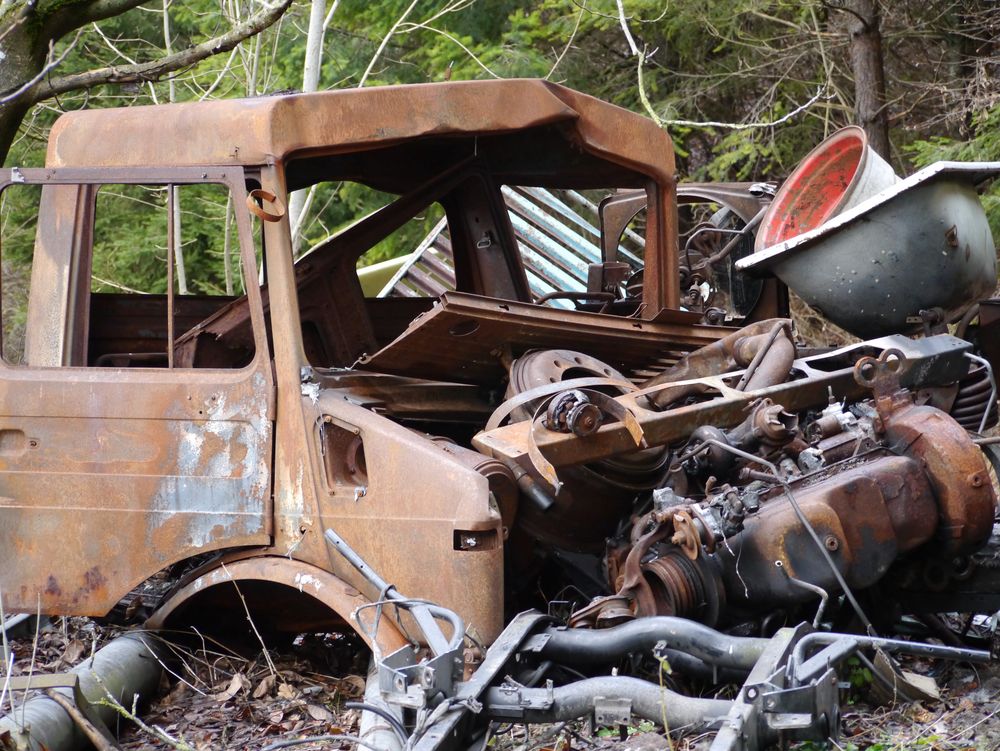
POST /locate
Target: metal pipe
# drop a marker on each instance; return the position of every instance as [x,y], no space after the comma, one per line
[424,613]
[377,729]
[823,594]
[649,701]
[965,320]
[921,649]
[689,665]
[129,665]
[587,647]
[771,360]
[712,359]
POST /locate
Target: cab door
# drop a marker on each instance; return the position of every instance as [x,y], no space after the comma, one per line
[117,458]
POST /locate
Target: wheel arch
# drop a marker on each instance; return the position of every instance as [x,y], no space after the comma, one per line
[280,594]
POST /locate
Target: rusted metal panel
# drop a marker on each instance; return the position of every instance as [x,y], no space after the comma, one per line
[107,475]
[239,573]
[464,336]
[257,131]
[401,505]
[867,513]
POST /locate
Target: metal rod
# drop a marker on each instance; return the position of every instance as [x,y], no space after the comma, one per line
[921,649]
[759,357]
[823,594]
[425,614]
[728,247]
[171,242]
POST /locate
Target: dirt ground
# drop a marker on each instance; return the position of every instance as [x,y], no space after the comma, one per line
[220,698]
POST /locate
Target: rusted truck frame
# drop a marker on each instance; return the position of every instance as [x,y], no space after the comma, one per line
[472,447]
[279,503]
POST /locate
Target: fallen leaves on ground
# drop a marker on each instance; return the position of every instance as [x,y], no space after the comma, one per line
[224,699]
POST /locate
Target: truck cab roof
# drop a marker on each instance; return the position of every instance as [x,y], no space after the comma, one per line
[546,133]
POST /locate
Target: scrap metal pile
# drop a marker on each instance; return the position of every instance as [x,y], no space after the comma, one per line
[755,498]
[751,485]
[580,462]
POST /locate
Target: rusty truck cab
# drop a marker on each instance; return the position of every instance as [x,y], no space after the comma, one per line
[144,430]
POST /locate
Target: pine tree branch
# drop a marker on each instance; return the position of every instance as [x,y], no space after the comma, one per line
[154,70]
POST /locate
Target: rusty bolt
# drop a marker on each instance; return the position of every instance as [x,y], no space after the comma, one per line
[832,543]
[976,480]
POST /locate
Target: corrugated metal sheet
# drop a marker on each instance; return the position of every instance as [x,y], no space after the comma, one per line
[558,233]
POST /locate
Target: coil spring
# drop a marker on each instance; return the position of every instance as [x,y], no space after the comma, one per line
[973,400]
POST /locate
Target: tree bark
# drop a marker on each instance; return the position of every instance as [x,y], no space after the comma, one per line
[21,58]
[868,67]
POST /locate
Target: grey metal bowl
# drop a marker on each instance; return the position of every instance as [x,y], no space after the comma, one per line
[922,243]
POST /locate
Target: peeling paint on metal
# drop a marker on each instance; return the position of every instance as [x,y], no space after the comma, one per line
[307,580]
[222,480]
[311,390]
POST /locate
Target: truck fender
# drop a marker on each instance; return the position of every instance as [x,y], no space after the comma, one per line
[300,578]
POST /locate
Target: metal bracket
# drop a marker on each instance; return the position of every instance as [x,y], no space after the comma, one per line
[612,711]
[518,701]
[406,680]
[535,643]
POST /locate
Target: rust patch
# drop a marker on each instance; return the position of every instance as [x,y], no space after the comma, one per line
[94,579]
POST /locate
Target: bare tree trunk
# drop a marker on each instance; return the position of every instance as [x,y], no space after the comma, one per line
[310,82]
[21,58]
[868,67]
[175,216]
[30,66]
[11,116]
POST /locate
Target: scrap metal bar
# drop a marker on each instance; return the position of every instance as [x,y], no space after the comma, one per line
[641,699]
[425,614]
[938,358]
[448,732]
[802,666]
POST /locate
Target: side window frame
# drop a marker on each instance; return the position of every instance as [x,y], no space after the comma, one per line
[67,321]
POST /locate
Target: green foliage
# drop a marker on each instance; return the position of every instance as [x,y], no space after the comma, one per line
[345,203]
[982,146]
[130,238]
[730,61]
[858,675]
[18,211]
